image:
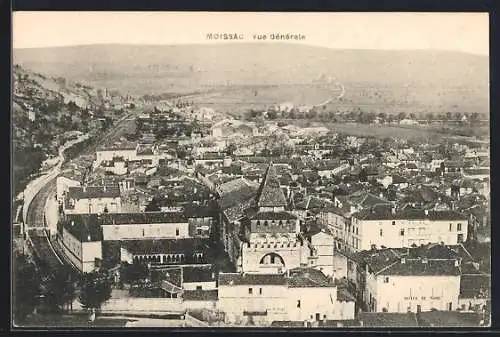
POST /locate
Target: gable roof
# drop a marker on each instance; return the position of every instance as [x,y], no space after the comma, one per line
[270,193]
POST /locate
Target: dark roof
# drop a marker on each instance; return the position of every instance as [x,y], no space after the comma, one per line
[200,295]
[305,278]
[270,194]
[416,267]
[387,319]
[251,279]
[475,285]
[84,227]
[383,213]
[197,211]
[274,216]
[93,192]
[197,274]
[143,218]
[448,319]
[172,246]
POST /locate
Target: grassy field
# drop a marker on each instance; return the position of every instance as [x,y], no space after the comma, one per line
[379,131]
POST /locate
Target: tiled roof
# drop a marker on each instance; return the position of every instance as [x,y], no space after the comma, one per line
[197,274]
[143,218]
[387,319]
[448,319]
[201,295]
[226,279]
[306,278]
[381,213]
[270,194]
[93,192]
[84,227]
[475,285]
[416,267]
[274,216]
[170,246]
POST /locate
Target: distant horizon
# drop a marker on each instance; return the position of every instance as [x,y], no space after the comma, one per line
[464,32]
[214,44]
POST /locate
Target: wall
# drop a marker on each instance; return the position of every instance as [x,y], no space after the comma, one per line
[145,231]
[323,243]
[251,256]
[321,300]
[234,300]
[62,186]
[211,285]
[96,206]
[403,292]
[190,305]
[82,255]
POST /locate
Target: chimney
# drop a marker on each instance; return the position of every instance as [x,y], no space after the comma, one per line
[393,209]
[457,263]
[403,260]
[361,323]
[426,212]
[213,275]
[104,188]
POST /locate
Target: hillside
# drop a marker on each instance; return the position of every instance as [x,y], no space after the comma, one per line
[438,79]
[46,113]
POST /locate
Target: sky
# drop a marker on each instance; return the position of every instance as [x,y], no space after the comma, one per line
[466,32]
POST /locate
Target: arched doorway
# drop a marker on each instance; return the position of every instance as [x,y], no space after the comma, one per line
[272,259]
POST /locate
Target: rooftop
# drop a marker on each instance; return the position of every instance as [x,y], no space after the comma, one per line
[387,320]
[167,246]
[237,279]
[142,218]
[93,192]
[201,295]
[84,227]
[385,213]
[270,193]
[274,216]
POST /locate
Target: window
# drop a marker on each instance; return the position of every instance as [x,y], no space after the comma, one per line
[199,231]
[250,291]
[198,287]
[402,232]
[394,223]
[386,279]
[298,303]
[381,233]
[451,227]
[177,232]
[357,231]
[260,291]
[459,227]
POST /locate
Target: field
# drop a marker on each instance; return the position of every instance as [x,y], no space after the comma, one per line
[239,99]
[381,131]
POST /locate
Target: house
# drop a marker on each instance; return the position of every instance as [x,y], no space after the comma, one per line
[92,199]
[145,226]
[213,160]
[401,283]
[80,237]
[260,299]
[64,182]
[389,227]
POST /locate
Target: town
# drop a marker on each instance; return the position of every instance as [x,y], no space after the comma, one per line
[225,222]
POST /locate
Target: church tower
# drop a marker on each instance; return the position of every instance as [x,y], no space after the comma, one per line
[274,242]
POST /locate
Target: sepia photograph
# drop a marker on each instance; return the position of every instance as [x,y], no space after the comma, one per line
[276,170]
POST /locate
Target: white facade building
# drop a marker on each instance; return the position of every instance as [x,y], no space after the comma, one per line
[407,228]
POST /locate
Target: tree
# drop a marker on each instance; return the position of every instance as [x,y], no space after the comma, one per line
[95,290]
[271,114]
[429,116]
[134,272]
[61,288]
[401,116]
[231,148]
[25,287]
